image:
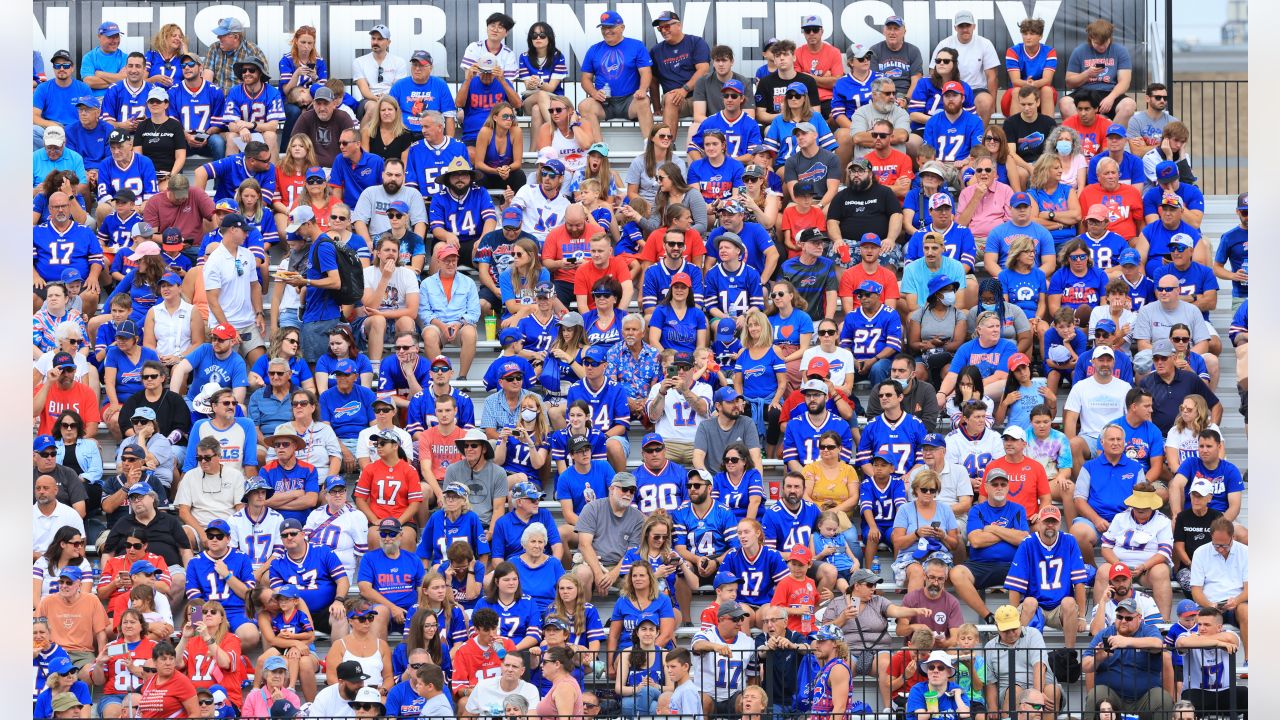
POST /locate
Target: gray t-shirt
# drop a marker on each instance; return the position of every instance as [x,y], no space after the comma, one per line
[712,439]
[898,65]
[708,90]
[611,536]
[930,325]
[486,485]
[823,166]
[868,629]
[1024,660]
[1015,321]
[647,184]
[1154,322]
[687,701]
[867,115]
[371,208]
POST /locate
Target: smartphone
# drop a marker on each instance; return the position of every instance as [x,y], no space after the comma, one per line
[1099,65]
[200,136]
[197,615]
[936,524]
[115,649]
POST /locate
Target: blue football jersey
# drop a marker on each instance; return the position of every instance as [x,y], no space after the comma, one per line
[706,536]
[53,251]
[758,575]
[739,134]
[800,441]
[200,109]
[230,171]
[953,140]
[900,440]
[518,620]
[608,406]
[203,582]
[465,216]
[266,106]
[425,163]
[733,293]
[139,176]
[882,502]
[663,490]
[122,103]
[1047,574]
[866,337]
[784,529]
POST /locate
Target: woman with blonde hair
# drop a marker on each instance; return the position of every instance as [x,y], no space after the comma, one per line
[387,137]
[641,597]
[1024,282]
[518,282]
[207,644]
[1183,441]
[249,204]
[570,605]
[301,71]
[656,549]
[566,133]
[291,171]
[1053,197]
[362,645]
[792,327]
[498,151]
[760,376]
[642,174]
[318,194]
[435,596]
[167,45]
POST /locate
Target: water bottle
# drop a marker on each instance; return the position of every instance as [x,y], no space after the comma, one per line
[875,565]
[1244,268]
[499,649]
[604,90]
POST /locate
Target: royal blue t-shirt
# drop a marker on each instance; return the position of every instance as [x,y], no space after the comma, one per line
[348,413]
[206,366]
[617,67]
[320,304]
[678,333]
[397,579]
[1225,477]
[1010,515]
[759,375]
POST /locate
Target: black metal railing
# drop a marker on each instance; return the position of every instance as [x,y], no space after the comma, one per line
[1217,114]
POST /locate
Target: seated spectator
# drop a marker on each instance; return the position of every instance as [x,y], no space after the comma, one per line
[1123,543]
[1220,579]
[223,576]
[1118,588]
[1014,323]
[944,615]
[1168,384]
[1206,650]
[988,351]
[449,317]
[984,205]
[1027,666]
[1130,666]
[996,528]
[709,647]
[1057,601]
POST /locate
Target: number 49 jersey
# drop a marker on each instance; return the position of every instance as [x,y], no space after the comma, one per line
[973,453]
[1045,573]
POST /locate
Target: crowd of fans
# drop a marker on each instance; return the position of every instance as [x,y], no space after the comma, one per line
[850,310]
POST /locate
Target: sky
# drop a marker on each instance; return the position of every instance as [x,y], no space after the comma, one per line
[1201,19]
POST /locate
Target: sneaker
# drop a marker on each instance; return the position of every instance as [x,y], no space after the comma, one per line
[1242,670]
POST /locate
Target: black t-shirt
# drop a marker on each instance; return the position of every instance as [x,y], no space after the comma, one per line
[862,212]
[160,142]
[393,149]
[1028,137]
[70,486]
[771,91]
[165,537]
[171,411]
[1193,529]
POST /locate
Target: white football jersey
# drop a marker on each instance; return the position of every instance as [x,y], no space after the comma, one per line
[1134,543]
[259,540]
[346,533]
[974,454]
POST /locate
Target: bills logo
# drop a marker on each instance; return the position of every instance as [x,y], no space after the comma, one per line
[350,409]
[1031,142]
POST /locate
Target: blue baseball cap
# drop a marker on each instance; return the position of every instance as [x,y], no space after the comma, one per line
[315,172]
[218,524]
[1186,607]
[934,440]
[143,567]
[127,329]
[399,206]
[71,572]
[276,662]
[509,368]
[609,18]
[726,331]
[828,632]
[171,278]
[894,20]
[1242,202]
[883,455]
[457,488]
[61,665]
[71,275]
[555,622]
[726,394]
[142,488]
[870,286]
[725,578]
[43,442]
[798,87]
[596,353]
[1020,199]
[334,481]
[345,366]
[1117,129]
[512,217]
[526,491]
[651,439]
[109,29]
[733,85]
[553,167]
[1166,170]
[870,239]
[1129,256]
[510,335]
[89,101]
[1105,324]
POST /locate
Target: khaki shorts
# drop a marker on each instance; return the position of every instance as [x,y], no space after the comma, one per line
[1053,618]
[680,452]
[250,339]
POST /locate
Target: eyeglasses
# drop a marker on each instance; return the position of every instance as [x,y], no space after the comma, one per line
[214,536]
[205,458]
[1222,546]
[929,490]
[879,135]
[73,341]
[590,706]
[828,447]
[558,110]
[290,533]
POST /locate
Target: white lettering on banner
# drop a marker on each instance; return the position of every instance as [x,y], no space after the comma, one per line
[343,27]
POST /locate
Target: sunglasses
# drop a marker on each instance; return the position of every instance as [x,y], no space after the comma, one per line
[518,377]
[935,666]
[359,706]
[1034,706]
[674,244]
[214,536]
[471,445]
[1158,97]
[388,534]
[879,135]
[148,668]
[653,450]
[300,403]
[732,460]
[590,363]
[1077,258]
[290,533]
[206,703]
[794,96]
[538,36]
[826,333]
[943,61]
[1166,288]
[828,447]
[147,376]
[134,545]
[984,170]
[62,66]
[665,136]
[205,458]
[383,410]
[441,369]
[929,490]
[777,295]
[49,454]
[1125,618]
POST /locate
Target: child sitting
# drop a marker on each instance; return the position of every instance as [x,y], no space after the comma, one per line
[840,549]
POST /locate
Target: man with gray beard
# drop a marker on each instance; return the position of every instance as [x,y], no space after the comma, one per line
[883,106]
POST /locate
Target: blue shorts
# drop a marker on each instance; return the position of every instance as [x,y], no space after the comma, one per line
[105,702]
[988,574]
[236,618]
[621,440]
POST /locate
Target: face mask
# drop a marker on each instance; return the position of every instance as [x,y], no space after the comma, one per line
[902,382]
[989,306]
[528,415]
[948,298]
[1063,147]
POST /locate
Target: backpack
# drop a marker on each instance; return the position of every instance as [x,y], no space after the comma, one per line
[350,271]
[1065,665]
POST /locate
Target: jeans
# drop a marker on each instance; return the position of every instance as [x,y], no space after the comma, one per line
[315,338]
[37,137]
[644,702]
[879,371]
[215,147]
[289,318]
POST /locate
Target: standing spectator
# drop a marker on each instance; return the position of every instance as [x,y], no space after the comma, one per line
[818,59]
[679,63]
[375,72]
[232,288]
[321,311]
[898,60]
[616,75]
[104,65]
[1101,69]
[1131,669]
[976,62]
[1233,248]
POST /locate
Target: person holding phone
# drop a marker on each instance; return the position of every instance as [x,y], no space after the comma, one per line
[1102,70]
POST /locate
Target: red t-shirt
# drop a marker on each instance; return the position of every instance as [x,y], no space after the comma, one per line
[1124,206]
[389,490]
[439,450]
[290,189]
[165,701]
[891,167]
[898,667]
[793,220]
[826,62]
[119,680]
[1092,137]
[850,280]
[79,398]
[558,245]
[588,275]
[1027,482]
[199,663]
[119,601]
[473,663]
[653,249]
[791,592]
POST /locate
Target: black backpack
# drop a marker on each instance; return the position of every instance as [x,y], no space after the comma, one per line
[1065,666]
[350,271]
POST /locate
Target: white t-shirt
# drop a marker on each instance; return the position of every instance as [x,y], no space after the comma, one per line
[841,362]
[401,285]
[370,450]
[1102,312]
[290,299]
[211,496]
[1186,442]
[329,703]
[1097,403]
[505,58]
[679,422]
[44,364]
[233,277]
[976,57]
[486,699]
[366,66]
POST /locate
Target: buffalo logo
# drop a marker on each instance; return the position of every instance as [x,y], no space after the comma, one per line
[351,409]
[1031,142]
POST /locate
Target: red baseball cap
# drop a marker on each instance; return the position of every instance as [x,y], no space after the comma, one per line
[818,366]
[802,553]
[223,331]
[1018,360]
[951,86]
[682,278]
[1119,570]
